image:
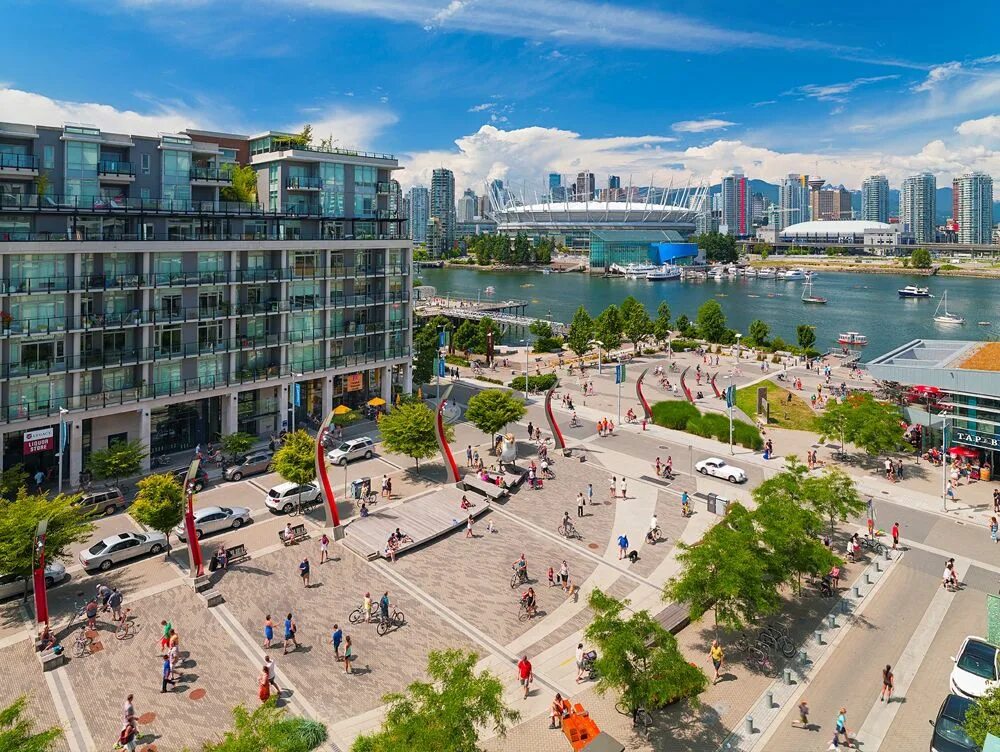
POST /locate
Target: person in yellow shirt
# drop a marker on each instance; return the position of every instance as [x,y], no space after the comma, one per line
[717,654]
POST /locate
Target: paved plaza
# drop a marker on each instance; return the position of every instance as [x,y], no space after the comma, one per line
[455,592]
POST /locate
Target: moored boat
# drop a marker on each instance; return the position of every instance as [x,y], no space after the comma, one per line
[912,291]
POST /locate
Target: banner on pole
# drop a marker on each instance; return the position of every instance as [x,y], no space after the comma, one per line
[730,396]
[298,395]
[620,373]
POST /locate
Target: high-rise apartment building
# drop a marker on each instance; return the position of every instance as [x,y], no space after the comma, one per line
[441,235]
[614,181]
[758,207]
[827,202]
[917,205]
[737,211]
[468,206]
[420,213]
[875,199]
[557,191]
[145,299]
[585,187]
[975,208]
[793,201]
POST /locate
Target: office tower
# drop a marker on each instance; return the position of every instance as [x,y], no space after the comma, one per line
[842,203]
[737,211]
[555,182]
[614,181]
[168,306]
[954,205]
[758,206]
[975,208]
[793,201]
[484,209]
[442,237]
[875,199]
[815,185]
[420,213]
[917,204]
[468,206]
[585,187]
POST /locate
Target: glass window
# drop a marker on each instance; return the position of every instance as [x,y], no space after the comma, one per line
[49,157]
[167,263]
[211,371]
[167,377]
[144,162]
[144,194]
[168,303]
[37,394]
[331,197]
[176,178]
[210,335]
[304,263]
[116,379]
[168,340]
[28,314]
[209,301]
[303,294]
[304,323]
[305,357]
[211,261]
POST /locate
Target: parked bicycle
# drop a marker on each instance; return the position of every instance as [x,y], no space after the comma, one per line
[642,721]
[873,544]
[126,626]
[395,620]
[82,643]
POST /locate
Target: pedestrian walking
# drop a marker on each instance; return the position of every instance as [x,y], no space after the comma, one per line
[129,717]
[531,430]
[103,594]
[552,576]
[624,488]
[579,663]
[717,654]
[950,491]
[348,655]
[590,494]
[895,535]
[468,455]
[996,500]
[622,546]
[871,528]
[127,738]
[840,727]
[564,575]
[385,485]
[324,548]
[304,571]
[468,527]
[166,674]
[388,488]
[579,505]
[887,684]
[263,685]
[335,639]
[803,721]
[268,631]
[899,469]
[290,630]
[115,603]
[269,665]
[614,488]
[165,639]
[524,674]
[993,529]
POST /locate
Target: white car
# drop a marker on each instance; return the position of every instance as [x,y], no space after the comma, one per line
[976,668]
[285,496]
[352,449]
[11,585]
[120,547]
[718,468]
[210,520]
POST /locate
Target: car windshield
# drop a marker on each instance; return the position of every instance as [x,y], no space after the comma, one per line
[274,493]
[344,448]
[242,460]
[950,730]
[96,548]
[980,660]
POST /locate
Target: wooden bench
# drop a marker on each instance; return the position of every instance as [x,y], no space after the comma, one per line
[237,554]
[298,533]
[489,490]
[674,617]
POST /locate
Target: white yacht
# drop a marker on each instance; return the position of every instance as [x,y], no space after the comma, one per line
[667,271]
[790,275]
[946,318]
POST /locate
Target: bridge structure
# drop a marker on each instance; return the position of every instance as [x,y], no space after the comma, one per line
[509,314]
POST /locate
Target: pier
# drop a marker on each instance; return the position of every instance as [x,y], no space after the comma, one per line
[508,313]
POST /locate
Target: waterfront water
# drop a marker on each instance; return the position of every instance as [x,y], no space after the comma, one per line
[866,303]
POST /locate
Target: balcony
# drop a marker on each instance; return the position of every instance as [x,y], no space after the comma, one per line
[303,184]
[18,166]
[211,176]
[383,188]
[115,171]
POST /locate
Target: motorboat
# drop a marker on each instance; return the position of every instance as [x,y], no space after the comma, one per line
[791,275]
[490,290]
[665,272]
[852,338]
[635,271]
[985,323]
[946,318]
[912,291]
[807,293]
[717,272]
[766,273]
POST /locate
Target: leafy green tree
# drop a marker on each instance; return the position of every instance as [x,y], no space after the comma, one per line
[522,249]
[269,728]
[833,422]
[685,327]
[68,525]
[237,444]
[833,495]
[295,460]
[718,247]
[545,341]
[609,327]
[983,718]
[637,657]
[17,732]
[636,324]
[920,258]
[445,713]
[425,349]
[483,327]
[712,321]
[661,324]
[806,336]
[159,503]
[466,336]
[409,430]
[244,185]
[491,410]
[758,333]
[120,460]
[12,480]
[862,420]
[728,572]
[543,251]
[581,332]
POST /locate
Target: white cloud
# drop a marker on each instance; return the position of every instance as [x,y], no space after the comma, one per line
[940,73]
[701,126]
[349,128]
[988,126]
[837,92]
[482,107]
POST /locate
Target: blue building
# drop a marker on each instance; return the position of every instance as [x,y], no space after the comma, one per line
[677,254]
[625,247]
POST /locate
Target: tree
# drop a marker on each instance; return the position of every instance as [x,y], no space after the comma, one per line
[921,258]
[425,349]
[718,247]
[545,341]
[983,717]
[159,504]
[638,657]
[581,332]
[120,460]
[237,444]
[466,336]
[726,571]
[445,713]
[244,185]
[493,409]
[712,321]
[833,422]
[757,333]
[806,336]
[661,324]
[833,495]
[17,732]
[409,430]
[862,420]
[42,184]
[685,327]
[295,460]
[68,525]
[12,480]
[636,324]
[269,729]
[609,326]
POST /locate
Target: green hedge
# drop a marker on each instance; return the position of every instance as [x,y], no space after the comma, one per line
[683,416]
[456,360]
[681,345]
[488,379]
[535,383]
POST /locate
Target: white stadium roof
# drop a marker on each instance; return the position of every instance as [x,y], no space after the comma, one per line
[835,227]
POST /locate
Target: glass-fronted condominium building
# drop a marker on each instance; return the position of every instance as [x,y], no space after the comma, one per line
[140,299]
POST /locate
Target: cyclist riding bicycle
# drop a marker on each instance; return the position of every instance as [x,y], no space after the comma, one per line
[567,525]
[653,525]
[528,601]
[521,567]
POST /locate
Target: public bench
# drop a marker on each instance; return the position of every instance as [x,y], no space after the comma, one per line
[298,533]
[237,554]
[490,490]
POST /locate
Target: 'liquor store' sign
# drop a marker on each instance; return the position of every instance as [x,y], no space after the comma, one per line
[40,440]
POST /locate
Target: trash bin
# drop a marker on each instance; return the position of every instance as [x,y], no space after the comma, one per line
[357,487]
[721,505]
[712,499]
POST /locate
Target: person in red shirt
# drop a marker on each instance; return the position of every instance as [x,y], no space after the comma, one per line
[524,674]
[895,535]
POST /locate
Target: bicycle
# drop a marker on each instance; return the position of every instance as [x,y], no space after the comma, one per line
[524,613]
[126,627]
[642,721]
[396,620]
[519,577]
[359,615]
[873,544]
[655,533]
[568,531]
[82,643]
[759,657]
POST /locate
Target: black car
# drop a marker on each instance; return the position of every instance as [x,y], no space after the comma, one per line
[200,482]
[949,736]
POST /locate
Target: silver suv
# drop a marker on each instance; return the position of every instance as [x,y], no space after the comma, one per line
[248,464]
[105,502]
[352,449]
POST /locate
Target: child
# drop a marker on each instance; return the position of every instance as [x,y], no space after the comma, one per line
[552,576]
[803,721]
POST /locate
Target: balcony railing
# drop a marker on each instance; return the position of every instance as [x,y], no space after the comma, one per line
[114,167]
[383,187]
[11,161]
[214,174]
[304,183]
[281,144]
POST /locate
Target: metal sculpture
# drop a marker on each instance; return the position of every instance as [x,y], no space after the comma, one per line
[449,459]
[684,386]
[714,387]
[553,426]
[194,545]
[646,411]
[323,476]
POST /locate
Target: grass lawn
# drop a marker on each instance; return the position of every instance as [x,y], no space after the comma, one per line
[796,415]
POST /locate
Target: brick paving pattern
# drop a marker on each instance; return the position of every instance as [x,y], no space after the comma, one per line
[22,675]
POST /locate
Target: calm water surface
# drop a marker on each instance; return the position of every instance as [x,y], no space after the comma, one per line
[866,303]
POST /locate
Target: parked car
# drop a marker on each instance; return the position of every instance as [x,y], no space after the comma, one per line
[248,464]
[949,734]
[718,468]
[121,547]
[11,585]
[285,496]
[200,481]
[106,502]
[210,520]
[976,668]
[352,449]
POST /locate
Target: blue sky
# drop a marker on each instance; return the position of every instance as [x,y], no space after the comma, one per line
[660,92]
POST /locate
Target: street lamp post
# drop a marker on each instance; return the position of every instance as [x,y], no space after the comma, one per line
[730,406]
[525,343]
[599,346]
[738,336]
[62,443]
[294,376]
[944,461]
